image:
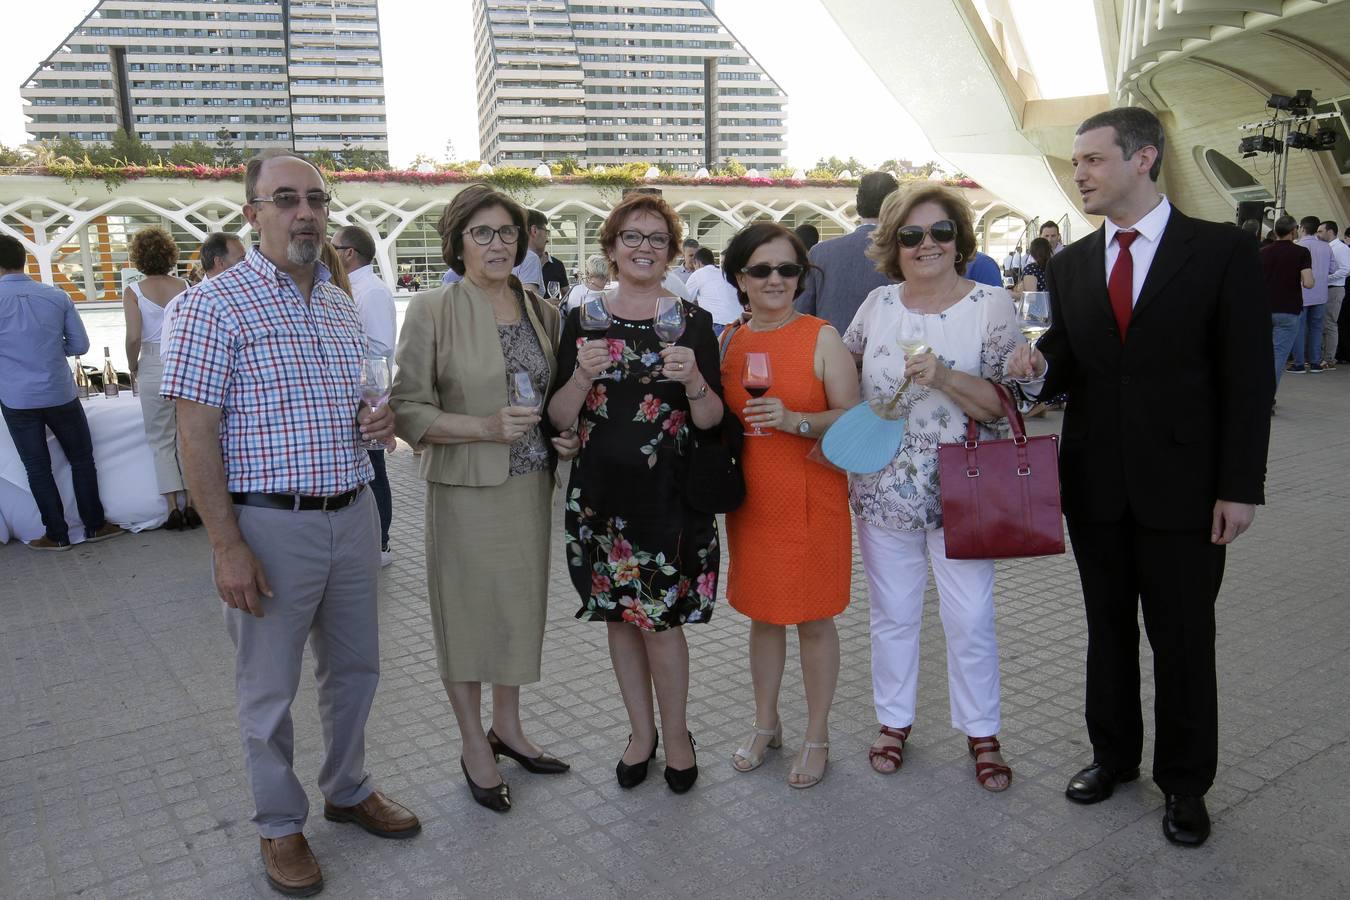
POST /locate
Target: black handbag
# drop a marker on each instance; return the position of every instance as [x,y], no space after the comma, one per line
[715,483]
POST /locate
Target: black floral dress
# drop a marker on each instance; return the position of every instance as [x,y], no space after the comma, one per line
[635,550]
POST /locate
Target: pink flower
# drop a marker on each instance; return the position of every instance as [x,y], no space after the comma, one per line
[620,550]
[707,585]
[636,614]
[596,398]
[600,584]
[615,349]
[674,422]
[584,432]
[650,408]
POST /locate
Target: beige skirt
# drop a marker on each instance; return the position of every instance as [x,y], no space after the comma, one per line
[487,554]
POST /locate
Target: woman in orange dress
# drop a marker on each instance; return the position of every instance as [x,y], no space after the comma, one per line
[791,541]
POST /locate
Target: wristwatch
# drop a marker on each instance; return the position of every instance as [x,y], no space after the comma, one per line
[702,392]
[804,426]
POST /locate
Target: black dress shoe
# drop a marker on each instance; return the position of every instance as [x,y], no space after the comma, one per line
[1185,820]
[681,780]
[497,799]
[543,764]
[1095,783]
[632,776]
[175,522]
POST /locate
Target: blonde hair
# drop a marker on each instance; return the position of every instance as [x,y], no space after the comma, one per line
[884,249]
[329,256]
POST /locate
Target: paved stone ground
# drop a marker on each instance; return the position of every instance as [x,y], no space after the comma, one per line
[121,774]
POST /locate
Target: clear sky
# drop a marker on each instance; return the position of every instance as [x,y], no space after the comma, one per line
[836,104]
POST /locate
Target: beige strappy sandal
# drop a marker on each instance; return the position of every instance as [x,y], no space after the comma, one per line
[745,759]
[797,770]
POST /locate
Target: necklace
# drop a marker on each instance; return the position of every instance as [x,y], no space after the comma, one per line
[774,326]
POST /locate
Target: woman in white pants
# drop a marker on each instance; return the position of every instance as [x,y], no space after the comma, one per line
[155,254]
[952,337]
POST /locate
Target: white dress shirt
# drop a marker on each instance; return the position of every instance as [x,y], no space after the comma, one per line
[375,304]
[709,288]
[1145,247]
[1341,254]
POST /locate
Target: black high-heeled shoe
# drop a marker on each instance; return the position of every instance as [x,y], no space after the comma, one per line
[632,776]
[190,518]
[497,799]
[681,780]
[543,764]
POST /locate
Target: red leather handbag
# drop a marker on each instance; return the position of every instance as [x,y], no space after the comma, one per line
[1000,498]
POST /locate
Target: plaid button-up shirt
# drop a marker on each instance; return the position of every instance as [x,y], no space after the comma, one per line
[284,373]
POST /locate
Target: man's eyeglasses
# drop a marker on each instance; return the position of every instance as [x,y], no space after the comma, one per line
[764,270]
[482,234]
[317,200]
[943,231]
[659,240]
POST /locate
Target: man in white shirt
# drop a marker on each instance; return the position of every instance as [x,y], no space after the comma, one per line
[379,320]
[1014,263]
[709,288]
[1340,254]
[687,266]
[1308,346]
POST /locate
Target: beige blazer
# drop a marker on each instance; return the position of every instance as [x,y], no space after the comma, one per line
[450,360]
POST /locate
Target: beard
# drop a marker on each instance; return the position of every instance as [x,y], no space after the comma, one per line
[302,251]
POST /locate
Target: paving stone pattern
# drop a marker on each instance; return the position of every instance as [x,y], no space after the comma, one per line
[121,773]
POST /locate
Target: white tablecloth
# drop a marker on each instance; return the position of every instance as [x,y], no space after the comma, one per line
[126,475]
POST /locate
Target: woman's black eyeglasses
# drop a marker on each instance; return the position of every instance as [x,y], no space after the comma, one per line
[659,240]
[943,231]
[290,199]
[764,270]
[482,235]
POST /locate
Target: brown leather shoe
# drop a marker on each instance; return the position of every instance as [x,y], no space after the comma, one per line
[377,814]
[291,867]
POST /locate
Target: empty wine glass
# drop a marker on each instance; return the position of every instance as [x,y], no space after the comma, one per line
[376,382]
[756,378]
[522,392]
[1033,314]
[669,323]
[554,292]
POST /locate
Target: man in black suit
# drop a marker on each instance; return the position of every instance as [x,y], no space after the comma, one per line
[1161,337]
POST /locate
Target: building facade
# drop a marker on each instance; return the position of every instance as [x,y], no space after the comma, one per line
[608,84]
[299,74]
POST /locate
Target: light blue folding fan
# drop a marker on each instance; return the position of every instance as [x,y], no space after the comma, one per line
[865,438]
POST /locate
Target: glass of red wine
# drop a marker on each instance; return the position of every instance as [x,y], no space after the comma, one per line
[756,378]
[595,321]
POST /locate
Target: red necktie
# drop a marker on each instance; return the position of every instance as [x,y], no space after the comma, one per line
[1121,283]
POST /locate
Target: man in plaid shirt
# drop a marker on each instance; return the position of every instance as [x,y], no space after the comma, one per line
[264,367]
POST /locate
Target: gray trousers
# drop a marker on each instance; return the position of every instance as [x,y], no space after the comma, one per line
[1330,332]
[323,569]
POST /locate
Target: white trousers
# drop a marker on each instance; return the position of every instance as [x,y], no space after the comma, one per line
[896,563]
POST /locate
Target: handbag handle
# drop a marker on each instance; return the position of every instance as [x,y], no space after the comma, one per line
[1019,427]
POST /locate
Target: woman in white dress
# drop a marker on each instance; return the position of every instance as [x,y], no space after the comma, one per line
[154,254]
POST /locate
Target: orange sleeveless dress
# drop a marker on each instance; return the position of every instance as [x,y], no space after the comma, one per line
[791,541]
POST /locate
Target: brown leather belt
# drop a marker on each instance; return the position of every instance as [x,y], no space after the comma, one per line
[299,502]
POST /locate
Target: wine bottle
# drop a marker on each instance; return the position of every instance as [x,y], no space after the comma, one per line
[81,380]
[109,376]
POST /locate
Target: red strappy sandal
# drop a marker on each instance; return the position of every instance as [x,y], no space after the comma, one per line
[894,754]
[987,771]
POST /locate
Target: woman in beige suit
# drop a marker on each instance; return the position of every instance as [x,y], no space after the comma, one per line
[489,471]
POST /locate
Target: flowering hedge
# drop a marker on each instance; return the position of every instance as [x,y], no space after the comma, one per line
[505,177]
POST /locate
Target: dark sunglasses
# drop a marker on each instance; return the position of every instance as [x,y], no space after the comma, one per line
[943,231]
[290,199]
[764,270]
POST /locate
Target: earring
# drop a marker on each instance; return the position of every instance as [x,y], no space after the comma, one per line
[959,257]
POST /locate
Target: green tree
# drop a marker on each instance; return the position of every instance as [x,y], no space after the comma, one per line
[831,167]
[193,154]
[782,172]
[324,159]
[730,168]
[568,165]
[227,154]
[129,150]
[363,158]
[12,157]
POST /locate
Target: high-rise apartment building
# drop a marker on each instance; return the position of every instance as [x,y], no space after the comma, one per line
[301,74]
[608,83]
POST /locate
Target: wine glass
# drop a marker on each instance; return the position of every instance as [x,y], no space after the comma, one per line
[756,378]
[376,382]
[913,333]
[522,392]
[1033,314]
[554,291]
[595,320]
[669,323]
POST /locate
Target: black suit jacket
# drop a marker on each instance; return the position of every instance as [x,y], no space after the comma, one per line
[1177,416]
